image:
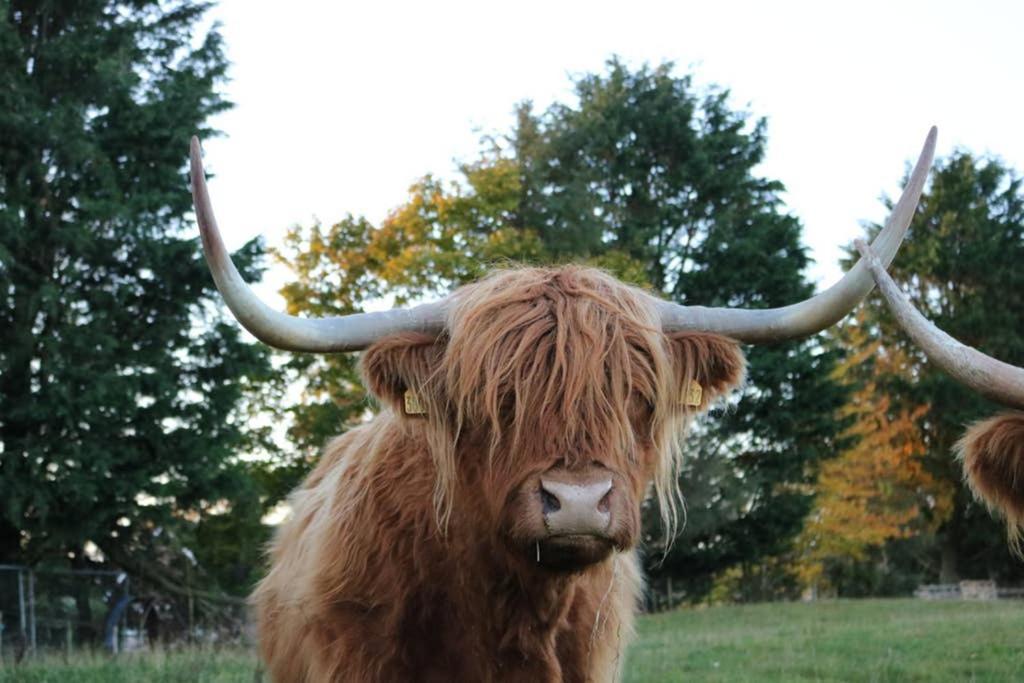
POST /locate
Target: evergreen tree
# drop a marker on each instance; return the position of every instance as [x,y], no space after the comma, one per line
[960,266]
[121,385]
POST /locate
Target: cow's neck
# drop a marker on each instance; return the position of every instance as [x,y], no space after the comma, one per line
[542,596]
[525,609]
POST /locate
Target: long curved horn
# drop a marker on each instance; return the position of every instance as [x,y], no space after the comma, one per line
[760,326]
[290,333]
[993,379]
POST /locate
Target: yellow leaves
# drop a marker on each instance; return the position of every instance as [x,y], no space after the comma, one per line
[443,235]
[619,264]
[495,182]
[878,489]
[512,246]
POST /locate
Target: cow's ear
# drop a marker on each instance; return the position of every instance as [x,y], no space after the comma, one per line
[400,370]
[707,366]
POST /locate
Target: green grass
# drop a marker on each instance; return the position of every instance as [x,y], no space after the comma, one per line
[863,640]
[866,640]
[185,666]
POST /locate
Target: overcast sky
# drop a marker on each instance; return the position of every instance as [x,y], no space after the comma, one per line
[341,106]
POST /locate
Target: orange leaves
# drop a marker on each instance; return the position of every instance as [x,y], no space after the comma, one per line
[878,489]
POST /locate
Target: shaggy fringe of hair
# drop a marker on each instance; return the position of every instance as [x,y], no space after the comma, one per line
[992,453]
[555,360]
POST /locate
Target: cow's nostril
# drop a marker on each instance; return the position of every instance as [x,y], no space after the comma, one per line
[605,503]
[550,501]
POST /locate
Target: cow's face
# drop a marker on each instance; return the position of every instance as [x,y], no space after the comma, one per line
[552,406]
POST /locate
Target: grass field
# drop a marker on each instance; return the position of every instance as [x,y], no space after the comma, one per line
[867,640]
[864,640]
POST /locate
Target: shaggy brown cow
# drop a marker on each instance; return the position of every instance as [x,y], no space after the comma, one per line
[483,526]
[564,416]
[992,450]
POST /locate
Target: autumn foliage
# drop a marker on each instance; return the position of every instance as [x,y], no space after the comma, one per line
[879,489]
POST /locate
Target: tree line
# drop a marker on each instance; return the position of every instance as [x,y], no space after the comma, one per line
[128,400]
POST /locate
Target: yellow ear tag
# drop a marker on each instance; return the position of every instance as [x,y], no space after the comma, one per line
[412,404]
[694,394]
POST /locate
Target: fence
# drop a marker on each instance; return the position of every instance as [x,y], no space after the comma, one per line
[967,590]
[55,609]
[659,596]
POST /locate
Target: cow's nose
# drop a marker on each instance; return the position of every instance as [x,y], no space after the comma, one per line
[571,508]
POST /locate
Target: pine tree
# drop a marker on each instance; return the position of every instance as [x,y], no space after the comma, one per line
[121,385]
[961,267]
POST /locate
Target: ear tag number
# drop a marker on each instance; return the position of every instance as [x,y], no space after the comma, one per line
[412,404]
[693,395]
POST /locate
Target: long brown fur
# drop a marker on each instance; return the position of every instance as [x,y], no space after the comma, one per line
[992,453]
[396,563]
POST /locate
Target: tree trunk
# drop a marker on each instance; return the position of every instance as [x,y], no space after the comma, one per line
[85,629]
[948,572]
[10,542]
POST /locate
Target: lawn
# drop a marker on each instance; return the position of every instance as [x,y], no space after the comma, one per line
[866,640]
[189,666]
[861,640]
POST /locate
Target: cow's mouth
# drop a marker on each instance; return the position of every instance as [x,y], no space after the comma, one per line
[572,552]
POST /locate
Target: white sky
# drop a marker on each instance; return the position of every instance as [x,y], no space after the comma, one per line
[341,106]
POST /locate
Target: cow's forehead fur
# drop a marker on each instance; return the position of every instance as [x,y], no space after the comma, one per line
[563,364]
[554,355]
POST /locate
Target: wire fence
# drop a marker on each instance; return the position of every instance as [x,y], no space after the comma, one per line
[43,610]
[968,590]
[46,610]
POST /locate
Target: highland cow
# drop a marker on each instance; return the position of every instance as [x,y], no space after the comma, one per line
[414,554]
[484,525]
[992,450]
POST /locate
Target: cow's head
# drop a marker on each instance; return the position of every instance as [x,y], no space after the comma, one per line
[553,397]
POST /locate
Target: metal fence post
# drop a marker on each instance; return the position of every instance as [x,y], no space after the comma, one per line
[124,617]
[21,606]
[32,609]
